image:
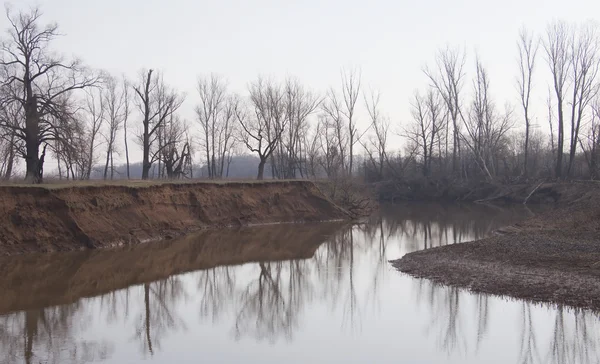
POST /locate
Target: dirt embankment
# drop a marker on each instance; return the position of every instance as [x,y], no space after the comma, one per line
[34,281]
[40,219]
[552,257]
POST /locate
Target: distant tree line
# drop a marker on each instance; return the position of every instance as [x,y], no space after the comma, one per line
[88,121]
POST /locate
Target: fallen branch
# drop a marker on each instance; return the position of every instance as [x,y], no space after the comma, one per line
[532,192]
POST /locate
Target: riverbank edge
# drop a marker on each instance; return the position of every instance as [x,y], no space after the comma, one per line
[553,257]
[79,217]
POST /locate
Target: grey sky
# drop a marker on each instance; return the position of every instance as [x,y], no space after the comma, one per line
[389,40]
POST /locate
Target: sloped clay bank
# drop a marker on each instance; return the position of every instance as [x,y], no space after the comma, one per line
[33,281]
[40,219]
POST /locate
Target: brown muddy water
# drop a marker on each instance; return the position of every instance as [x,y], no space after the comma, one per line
[296,293]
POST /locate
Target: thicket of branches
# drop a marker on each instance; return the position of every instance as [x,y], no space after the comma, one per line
[88,121]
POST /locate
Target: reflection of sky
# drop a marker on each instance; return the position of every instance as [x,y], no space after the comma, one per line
[320,310]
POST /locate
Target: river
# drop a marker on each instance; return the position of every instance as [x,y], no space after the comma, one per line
[287,293]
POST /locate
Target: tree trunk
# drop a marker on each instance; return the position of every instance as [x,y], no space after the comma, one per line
[146,159]
[525,172]
[126,148]
[147,310]
[32,144]
[261,169]
[560,144]
[107,162]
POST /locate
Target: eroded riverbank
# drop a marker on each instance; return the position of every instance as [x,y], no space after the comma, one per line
[553,257]
[47,219]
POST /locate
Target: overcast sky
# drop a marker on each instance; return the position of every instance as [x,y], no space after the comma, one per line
[390,41]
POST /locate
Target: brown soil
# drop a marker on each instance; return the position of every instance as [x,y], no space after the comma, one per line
[552,257]
[40,219]
[33,281]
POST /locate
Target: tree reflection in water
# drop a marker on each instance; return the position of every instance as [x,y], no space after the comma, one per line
[39,336]
[269,300]
[159,315]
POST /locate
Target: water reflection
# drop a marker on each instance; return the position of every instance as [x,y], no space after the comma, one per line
[245,286]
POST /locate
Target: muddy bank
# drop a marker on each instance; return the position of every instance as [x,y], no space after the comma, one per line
[33,281]
[41,219]
[552,257]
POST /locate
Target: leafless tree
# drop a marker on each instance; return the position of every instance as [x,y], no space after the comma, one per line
[429,122]
[448,79]
[114,96]
[528,48]
[175,149]
[556,46]
[216,116]
[342,113]
[584,61]
[376,146]
[311,141]
[126,111]
[94,110]
[10,144]
[300,103]
[157,103]
[38,80]
[485,127]
[335,143]
[590,145]
[261,131]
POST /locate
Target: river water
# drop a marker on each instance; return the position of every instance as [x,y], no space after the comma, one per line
[289,293]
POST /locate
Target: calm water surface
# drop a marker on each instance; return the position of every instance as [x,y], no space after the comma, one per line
[296,293]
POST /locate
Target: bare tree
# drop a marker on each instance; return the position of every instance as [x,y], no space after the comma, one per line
[528,48]
[556,46]
[342,112]
[376,146]
[335,132]
[485,127]
[584,65]
[262,131]
[126,112]
[114,101]
[300,103]
[38,81]
[429,122]
[590,145]
[448,79]
[94,109]
[157,103]
[10,144]
[175,152]
[216,116]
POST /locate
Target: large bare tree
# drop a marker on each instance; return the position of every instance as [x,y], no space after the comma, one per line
[263,126]
[157,103]
[528,48]
[584,56]
[38,81]
[556,46]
